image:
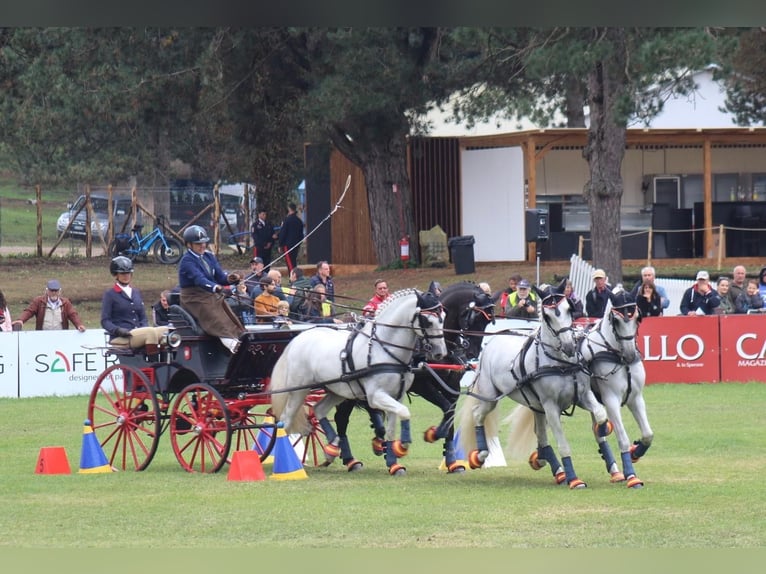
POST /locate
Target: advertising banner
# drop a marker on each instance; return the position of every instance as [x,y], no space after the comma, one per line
[743,348]
[60,362]
[680,349]
[9,368]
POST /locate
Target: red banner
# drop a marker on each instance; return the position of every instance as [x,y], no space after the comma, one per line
[743,347]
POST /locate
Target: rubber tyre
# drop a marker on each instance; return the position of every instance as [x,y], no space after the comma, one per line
[169,255]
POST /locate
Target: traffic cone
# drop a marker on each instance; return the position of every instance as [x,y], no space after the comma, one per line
[460,457]
[52,460]
[287,465]
[246,465]
[262,441]
[92,458]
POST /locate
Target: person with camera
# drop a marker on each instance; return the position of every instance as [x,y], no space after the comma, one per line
[523,302]
[204,287]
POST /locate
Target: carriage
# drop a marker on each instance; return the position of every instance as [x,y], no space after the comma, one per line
[211,402]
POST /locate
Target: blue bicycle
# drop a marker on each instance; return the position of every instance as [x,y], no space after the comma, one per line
[164,248]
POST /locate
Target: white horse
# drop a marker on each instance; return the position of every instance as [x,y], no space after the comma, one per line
[371,363]
[617,376]
[538,371]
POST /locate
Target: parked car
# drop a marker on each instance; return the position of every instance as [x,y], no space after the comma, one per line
[99,224]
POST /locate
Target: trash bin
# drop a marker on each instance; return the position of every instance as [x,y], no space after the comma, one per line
[462,253]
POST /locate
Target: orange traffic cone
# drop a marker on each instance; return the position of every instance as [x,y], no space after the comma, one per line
[287,465]
[52,460]
[246,465]
[92,458]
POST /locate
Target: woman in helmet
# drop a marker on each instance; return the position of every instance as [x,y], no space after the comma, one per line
[123,314]
[203,287]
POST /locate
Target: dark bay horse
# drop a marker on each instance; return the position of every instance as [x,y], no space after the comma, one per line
[468,312]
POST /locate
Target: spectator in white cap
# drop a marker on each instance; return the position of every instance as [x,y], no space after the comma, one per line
[596,298]
[51,311]
[700,298]
[523,302]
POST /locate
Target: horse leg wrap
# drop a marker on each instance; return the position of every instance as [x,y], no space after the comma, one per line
[345,450]
[571,476]
[390,456]
[638,450]
[607,456]
[627,469]
[546,453]
[328,429]
[405,435]
[449,453]
[481,439]
[376,423]
[604,429]
[378,446]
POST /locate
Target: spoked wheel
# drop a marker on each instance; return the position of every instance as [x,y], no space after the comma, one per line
[169,255]
[200,429]
[314,443]
[254,429]
[126,417]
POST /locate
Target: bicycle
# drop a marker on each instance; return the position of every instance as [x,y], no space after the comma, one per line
[164,248]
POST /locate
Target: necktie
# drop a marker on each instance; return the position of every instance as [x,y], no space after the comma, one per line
[206,265]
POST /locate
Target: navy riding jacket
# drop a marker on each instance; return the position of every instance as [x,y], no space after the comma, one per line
[120,311]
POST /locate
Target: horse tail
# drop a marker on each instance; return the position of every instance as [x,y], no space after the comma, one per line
[467,426]
[521,436]
[295,421]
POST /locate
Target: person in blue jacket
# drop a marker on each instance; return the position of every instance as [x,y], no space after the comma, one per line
[204,287]
[700,298]
[123,315]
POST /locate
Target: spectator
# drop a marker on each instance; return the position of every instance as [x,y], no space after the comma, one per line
[749,301]
[276,277]
[484,286]
[648,300]
[313,309]
[300,285]
[727,305]
[5,315]
[266,302]
[123,315]
[242,304]
[203,284]
[522,303]
[253,280]
[290,236]
[161,310]
[501,297]
[648,274]
[700,298]
[762,283]
[596,298]
[738,281]
[263,237]
[569,293]
[381,294]
[282,318]
[323,277]
[51,311]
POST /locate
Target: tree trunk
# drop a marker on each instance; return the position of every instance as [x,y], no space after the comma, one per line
[604,152]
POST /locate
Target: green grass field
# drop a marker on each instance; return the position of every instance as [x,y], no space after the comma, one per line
[702,477]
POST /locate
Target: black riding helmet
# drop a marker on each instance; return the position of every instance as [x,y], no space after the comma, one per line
[195,234]
[120,264]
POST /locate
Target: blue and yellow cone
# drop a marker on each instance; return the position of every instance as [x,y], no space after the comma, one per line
[460,457]
[287,465]
[262,442]
[92,458]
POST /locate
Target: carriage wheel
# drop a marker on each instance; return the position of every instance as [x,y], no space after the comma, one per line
[313,444]
[200,429]
[256,430]
[125,414]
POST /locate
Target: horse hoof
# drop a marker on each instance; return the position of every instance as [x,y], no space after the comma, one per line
[603,429]
[400,449]
[577,483]
[634,482]
[475,460]
[633,457]
[457,467]
[378,447]
[397,470]
[560,477]
[536,462]
[617,477]
[430,435]
[354,465]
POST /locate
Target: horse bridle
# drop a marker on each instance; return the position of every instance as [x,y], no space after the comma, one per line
[557,297]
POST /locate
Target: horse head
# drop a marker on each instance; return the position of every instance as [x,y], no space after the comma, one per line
[556,314]
[473,319]
[430,321]
[624,318]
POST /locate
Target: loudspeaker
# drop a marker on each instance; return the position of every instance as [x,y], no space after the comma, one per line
[556,217]
[537,225]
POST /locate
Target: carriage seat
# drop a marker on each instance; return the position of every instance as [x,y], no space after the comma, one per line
[183,322]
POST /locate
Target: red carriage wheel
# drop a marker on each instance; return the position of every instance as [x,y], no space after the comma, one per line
[313,445]
[126,417]
[200,429]
[253,430]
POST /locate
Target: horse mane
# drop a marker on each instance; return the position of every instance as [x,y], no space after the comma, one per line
[393,298]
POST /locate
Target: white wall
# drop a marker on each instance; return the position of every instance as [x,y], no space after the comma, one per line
[492,202]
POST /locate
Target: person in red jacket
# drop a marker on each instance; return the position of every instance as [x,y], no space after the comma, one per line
[51,311]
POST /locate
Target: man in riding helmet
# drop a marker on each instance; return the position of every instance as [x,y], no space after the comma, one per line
[123,314]
[204,285]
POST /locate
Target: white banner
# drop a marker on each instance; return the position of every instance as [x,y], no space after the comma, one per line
[45,363]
